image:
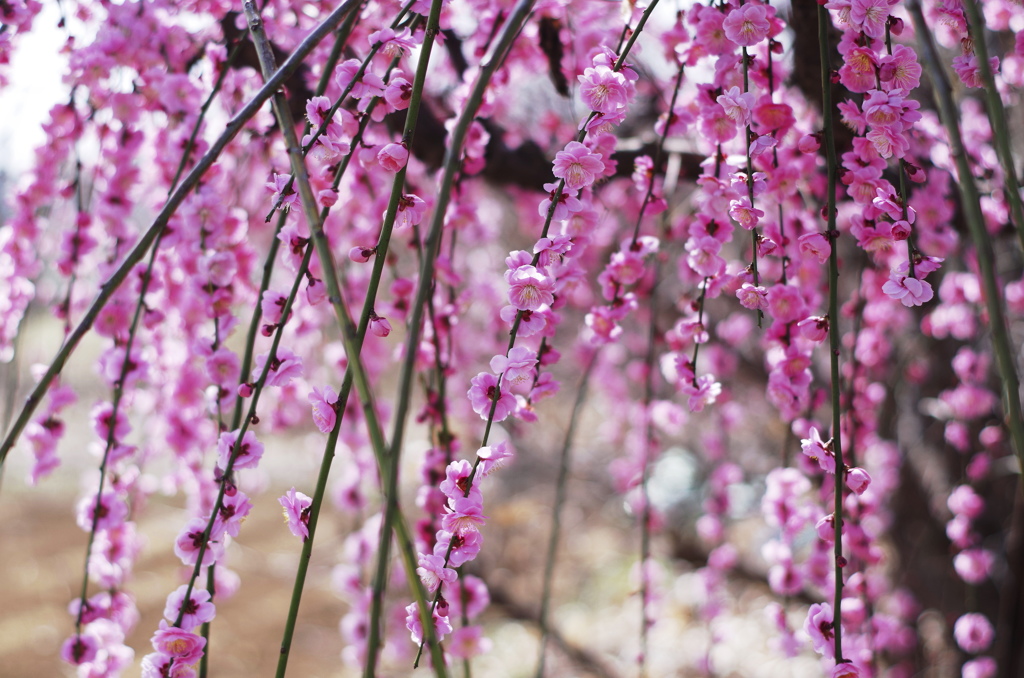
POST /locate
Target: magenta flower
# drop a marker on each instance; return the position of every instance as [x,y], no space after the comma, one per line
[467,642]
[360,254]
[184,646]
[819,451]
[465,546]
[973,632]
[247,452]
[464,514]
[379,326]
[815,245]
[442,627]
[517,367]
[233,511]
[324,412]
[870,16]
[411,209]
[433,573]
[820,628]
[973,565]
[737,105]
[858,480]
[190,541]
[566,203]
[745,214]
[368,85]
[901,69]
[285,367]
[964,501]
[282,192]
[393,157]
[754,298]
[316,291]
[814,328]
[604,90]
[296,507]
[529,289]
[80,648]
[909,291]
[577,165]
[747,25]
[482,393]
[197,609]
[494,457]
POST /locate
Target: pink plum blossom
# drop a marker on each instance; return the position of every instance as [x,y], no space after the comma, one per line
[973,632]
[909,291]
[324,412]
[296,506]
[577,165]
[747,25]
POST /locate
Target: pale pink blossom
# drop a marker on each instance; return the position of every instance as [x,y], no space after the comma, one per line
[973,632]
[747,25]
[909,291]
[577,165]
[324,413]
[296,507]
[392,157]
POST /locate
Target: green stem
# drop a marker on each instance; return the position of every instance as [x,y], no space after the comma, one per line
[996,116]
[348,328]
[976,224]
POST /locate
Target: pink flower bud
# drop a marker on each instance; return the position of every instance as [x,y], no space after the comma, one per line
[360,254]
[380,326]
[328,197]
[857,479]
[809,143]
[244,390]
[393,157]
[316,291]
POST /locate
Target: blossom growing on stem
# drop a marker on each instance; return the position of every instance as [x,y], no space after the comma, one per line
[482,393]
[529,289]
[296,507]
[909,291]
[747,25]
[578,165]
[195,611]
[324,413]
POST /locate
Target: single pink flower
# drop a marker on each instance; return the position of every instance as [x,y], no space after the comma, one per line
[909,291]
[482,393]
[577,165]
[745,214]
[517,367]
[754,298]
[196,610]
[379,325]
[820,628]
[604,90]
[184,646]
[529,289]
[246,453]
[324,413]
[393,156]
[433,573]
[858,480]
[973,632]
[296,507]
[747,25]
